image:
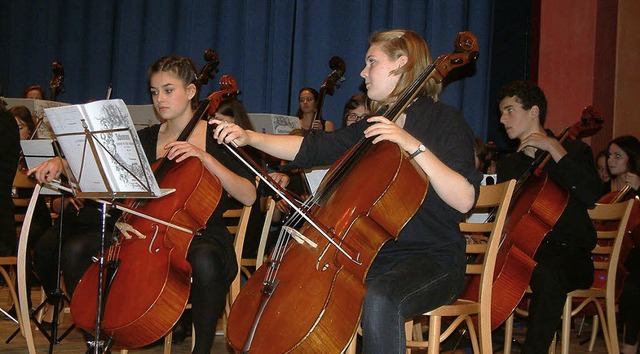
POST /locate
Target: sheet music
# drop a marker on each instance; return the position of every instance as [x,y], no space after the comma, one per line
[117,147]
[315,176]
[274,123]
[37,108]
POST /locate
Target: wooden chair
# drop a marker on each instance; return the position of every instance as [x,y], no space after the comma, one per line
[603,299]
[597,296]
[492,196]
[255,263]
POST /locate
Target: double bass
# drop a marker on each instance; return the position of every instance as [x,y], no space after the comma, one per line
[538,202]
[148,279]
[56,85]
[328,87]
[308,296]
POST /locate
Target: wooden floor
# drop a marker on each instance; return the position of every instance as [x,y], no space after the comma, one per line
[74,342]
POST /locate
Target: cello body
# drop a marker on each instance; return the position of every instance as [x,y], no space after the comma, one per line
[151,286]
[308,302]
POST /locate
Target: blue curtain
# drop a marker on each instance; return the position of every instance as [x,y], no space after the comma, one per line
[272,48]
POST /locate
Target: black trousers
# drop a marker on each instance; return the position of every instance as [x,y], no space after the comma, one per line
[560,270]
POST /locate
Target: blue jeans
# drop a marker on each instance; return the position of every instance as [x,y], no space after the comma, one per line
[397,291]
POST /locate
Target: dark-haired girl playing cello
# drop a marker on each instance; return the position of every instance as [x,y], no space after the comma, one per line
[211,253]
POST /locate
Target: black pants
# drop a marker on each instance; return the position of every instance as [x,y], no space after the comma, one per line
[560,270]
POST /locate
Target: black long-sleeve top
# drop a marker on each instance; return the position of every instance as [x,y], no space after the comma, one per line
[433,231]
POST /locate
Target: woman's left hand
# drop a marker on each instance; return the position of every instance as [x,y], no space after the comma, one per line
[632,180]
[180,150]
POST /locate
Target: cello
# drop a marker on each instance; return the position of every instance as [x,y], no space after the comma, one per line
[139,317]
[308,296]
[538,203]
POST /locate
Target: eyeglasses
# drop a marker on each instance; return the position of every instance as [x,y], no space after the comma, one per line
[355,117]
[306,99]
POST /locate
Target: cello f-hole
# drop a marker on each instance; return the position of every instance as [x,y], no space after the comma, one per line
[153,239]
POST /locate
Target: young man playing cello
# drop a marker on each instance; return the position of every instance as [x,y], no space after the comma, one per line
[564,256]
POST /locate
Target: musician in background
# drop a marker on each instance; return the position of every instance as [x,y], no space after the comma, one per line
[355,109]
[23,117]
[564,256]
[623,162]
[425,267]
[601,165]
[10,147]
[211,253]
[34,92]
[308,98]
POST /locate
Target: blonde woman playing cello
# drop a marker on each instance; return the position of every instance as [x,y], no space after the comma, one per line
[438,139]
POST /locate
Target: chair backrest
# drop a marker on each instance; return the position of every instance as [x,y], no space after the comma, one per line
[238,230]
[607,250]
[492,197]
[270,207]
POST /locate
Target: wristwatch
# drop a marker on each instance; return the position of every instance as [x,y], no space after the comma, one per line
[421,149]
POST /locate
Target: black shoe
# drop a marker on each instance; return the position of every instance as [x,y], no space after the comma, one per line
[179,333]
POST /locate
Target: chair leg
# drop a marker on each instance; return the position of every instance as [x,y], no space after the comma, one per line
[167,342]
[566,325]
[434,335]
[611,323]
[594,332]
[508,334]
[13,295]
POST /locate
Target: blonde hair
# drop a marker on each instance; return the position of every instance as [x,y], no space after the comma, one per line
[396,43]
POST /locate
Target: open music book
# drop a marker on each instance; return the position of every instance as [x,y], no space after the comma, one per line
[37,107]
[103,150]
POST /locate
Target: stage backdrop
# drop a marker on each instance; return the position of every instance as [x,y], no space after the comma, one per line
[272,48]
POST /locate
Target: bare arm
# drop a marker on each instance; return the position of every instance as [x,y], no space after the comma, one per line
[281,146]
[451,186]
[238,187]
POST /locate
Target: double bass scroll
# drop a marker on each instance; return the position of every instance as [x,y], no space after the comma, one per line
[56,85]
[329,85]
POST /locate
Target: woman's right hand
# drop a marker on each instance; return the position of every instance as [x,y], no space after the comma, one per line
[226,133]
[48,170]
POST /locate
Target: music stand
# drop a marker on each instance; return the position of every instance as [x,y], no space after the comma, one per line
[105,160]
